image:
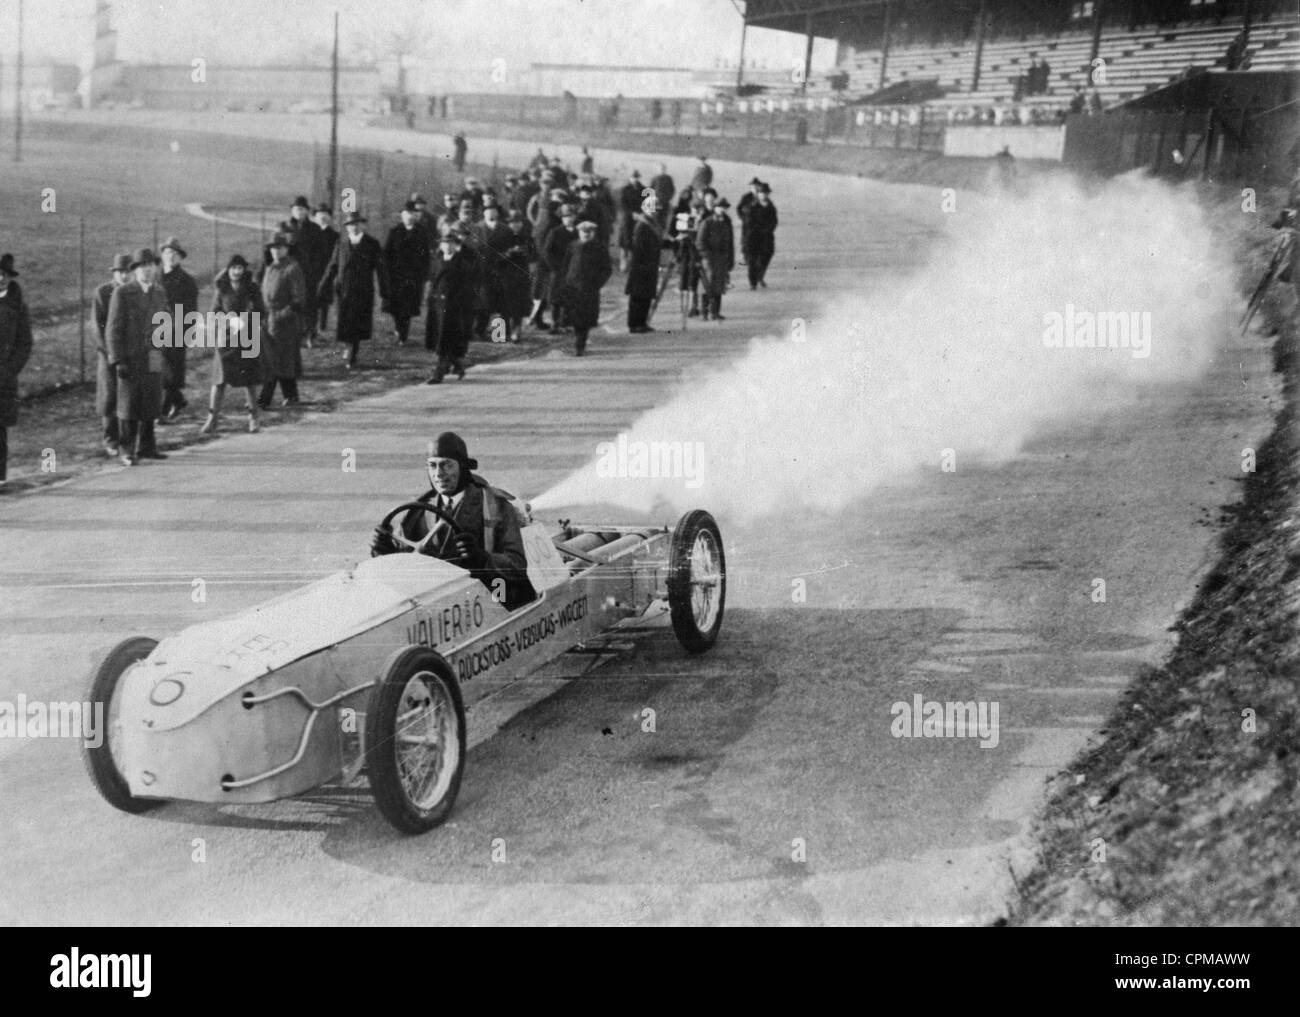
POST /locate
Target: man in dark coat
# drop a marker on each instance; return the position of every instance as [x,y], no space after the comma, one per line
[703,176]
[451,296]
[324,218]
[664,188]
[132,319]
[406,252]
[585,269]
[310,251]
[487,539]
[643,266]
[357,266]
[590,210]
[762,237]
[461,147]
[629,205]
[489,236]
[15,348]
[743,206]
[105,379]
[682,228]
[515,251]
[425,218]
[182,299]
[553,252]
[716,244]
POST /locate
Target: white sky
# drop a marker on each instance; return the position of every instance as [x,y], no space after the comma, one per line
[677,33]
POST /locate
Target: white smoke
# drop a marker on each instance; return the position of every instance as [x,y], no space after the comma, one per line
[951,358]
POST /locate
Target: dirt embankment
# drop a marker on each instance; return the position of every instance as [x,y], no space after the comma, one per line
[1183,812]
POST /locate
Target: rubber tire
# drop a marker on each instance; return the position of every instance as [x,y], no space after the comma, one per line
[103,772]
[679,578]
[381,759]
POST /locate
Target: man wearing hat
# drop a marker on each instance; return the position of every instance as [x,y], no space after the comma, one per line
[451,301]
[105,378]
[742,212]
[629,205]
[585,270]
[473,193]
[406,252]
[307,245]
[133,311]
[182,299]
[555,247]
[424,217]
[643,266]
[15,348]
[324,218]
[450,212]
[490,238]
[460,147]
[590,210]
[703,176]
[485,539]
[716,243]
[662,184]
[516,252]
[284,291]
[762,236]
[357,266]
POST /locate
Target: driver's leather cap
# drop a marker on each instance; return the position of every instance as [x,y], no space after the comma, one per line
[450,445]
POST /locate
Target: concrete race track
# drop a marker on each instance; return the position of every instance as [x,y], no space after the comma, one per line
[771,790]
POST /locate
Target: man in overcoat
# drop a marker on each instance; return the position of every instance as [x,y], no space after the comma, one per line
[356,269]
[105,378]
[138,309]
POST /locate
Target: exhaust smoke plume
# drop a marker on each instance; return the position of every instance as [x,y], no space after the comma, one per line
[975,353]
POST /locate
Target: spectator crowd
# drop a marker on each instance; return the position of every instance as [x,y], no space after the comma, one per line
[495,264]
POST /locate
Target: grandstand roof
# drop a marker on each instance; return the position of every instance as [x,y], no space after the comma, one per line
[829,17]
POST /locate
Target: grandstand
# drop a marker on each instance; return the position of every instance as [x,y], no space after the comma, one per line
[1110,50]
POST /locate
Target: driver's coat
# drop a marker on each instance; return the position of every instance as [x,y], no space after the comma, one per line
[499,535]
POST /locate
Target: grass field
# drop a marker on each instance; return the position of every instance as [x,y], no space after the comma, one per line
[129,186]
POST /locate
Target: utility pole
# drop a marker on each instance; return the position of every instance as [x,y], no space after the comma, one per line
[18,91]
[807,54]
[740,70]
[884,47]
[333,182]
[981,20]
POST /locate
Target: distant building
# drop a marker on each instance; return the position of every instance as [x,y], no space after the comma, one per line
[234,88]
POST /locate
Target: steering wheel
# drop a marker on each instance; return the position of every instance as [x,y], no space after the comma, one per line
[419,506]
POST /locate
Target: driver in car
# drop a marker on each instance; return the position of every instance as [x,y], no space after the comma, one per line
[485,539]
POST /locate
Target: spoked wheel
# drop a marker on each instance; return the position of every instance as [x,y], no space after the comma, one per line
[415,740]
[697,581]
[104,761]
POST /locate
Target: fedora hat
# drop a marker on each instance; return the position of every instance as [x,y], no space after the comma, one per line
[143,256]
[354,218]
[175,245]
[121,263]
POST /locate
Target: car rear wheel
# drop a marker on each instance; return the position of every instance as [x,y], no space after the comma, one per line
[415,740]
[103,762]
[697,581]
